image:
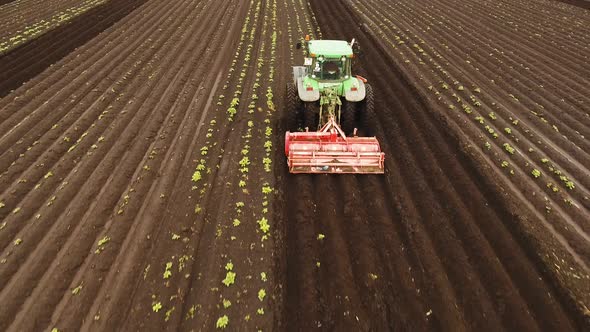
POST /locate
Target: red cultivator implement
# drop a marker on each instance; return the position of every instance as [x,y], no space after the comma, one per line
[330,151]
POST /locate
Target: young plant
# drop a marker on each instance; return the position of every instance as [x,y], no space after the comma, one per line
[196,176]
[508,148]
[264,226]
[167,272]
[101,244]
[266,189]
[222,322]
[230,278]
[77,290]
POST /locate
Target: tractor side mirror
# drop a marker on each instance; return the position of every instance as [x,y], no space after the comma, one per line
[298,46]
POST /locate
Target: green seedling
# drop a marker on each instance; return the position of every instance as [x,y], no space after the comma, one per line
[508,148]
[77,290]
[230,278]
[196,176]
[264,226]
[167,272]
[266,190]
[222,322]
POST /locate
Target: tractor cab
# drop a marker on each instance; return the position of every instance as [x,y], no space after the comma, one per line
[328,65]
[329,60]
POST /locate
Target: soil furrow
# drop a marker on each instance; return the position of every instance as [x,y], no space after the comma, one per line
[144,185]
[143,153]
[44,51]
[574,211]
[116,130]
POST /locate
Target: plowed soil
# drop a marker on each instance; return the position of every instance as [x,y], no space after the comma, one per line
[143,182]
[30,59]
[433,215]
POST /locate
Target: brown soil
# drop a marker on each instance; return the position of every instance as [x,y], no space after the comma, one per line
[580,3]
[449,236]
[30,59]
[19,16]
[129,194]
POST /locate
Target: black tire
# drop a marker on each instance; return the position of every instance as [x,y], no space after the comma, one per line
[293,108]
[311,115]
[367,112]
[348,117]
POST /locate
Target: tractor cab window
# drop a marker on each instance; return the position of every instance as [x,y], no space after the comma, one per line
[330,68]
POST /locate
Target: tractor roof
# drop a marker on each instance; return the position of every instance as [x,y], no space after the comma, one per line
[330,48]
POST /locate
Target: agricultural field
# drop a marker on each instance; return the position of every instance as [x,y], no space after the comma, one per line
[144,186]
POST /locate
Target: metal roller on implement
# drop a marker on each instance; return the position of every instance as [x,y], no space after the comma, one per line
[326,97]
[330,151]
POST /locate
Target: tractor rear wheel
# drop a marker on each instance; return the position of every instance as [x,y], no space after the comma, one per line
[293,108]
[348,117]
[367,112]
[311,115]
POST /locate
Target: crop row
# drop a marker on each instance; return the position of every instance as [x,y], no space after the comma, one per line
[92,128]
[40,27]
[507,135]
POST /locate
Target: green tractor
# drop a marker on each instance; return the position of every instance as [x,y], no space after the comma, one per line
[325,87]
[325,106]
